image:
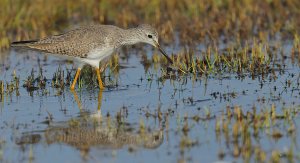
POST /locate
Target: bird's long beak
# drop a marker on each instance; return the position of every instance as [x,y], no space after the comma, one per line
[163,52]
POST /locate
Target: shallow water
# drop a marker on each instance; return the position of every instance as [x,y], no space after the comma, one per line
[140,120]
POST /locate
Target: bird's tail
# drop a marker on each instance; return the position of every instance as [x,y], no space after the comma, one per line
[23,43]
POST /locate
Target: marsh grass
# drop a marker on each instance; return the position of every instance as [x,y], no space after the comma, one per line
[194,21]
[12,86]
[252,58]
[33,82]
[240,130]
[239,126]
[1,91]
[295,54]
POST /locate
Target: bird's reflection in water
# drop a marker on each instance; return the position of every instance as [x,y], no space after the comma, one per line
[93,130]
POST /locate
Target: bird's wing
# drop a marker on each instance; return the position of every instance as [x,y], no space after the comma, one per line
[76,43]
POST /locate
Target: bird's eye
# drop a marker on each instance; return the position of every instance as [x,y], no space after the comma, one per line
[149,36]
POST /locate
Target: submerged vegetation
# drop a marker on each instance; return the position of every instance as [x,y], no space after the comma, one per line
[242,131]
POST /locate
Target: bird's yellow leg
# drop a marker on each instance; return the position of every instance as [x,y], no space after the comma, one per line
[99,78]
[75,79]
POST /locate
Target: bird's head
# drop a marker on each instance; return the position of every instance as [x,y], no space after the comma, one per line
[149,35]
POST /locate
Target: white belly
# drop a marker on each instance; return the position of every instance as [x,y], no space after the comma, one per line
[97,55]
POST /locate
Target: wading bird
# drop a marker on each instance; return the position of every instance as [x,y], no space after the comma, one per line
[94,43]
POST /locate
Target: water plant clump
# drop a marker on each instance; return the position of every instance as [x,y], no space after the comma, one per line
[33,83]
[239,130]
[258,59]
[1,90]
[12,86]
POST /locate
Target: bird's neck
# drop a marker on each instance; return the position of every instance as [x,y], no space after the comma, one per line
[130,37]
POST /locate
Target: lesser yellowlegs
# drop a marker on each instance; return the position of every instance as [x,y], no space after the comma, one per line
[94,43]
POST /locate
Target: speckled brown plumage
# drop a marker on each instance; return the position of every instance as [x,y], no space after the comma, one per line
[78,42]
[94,42]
